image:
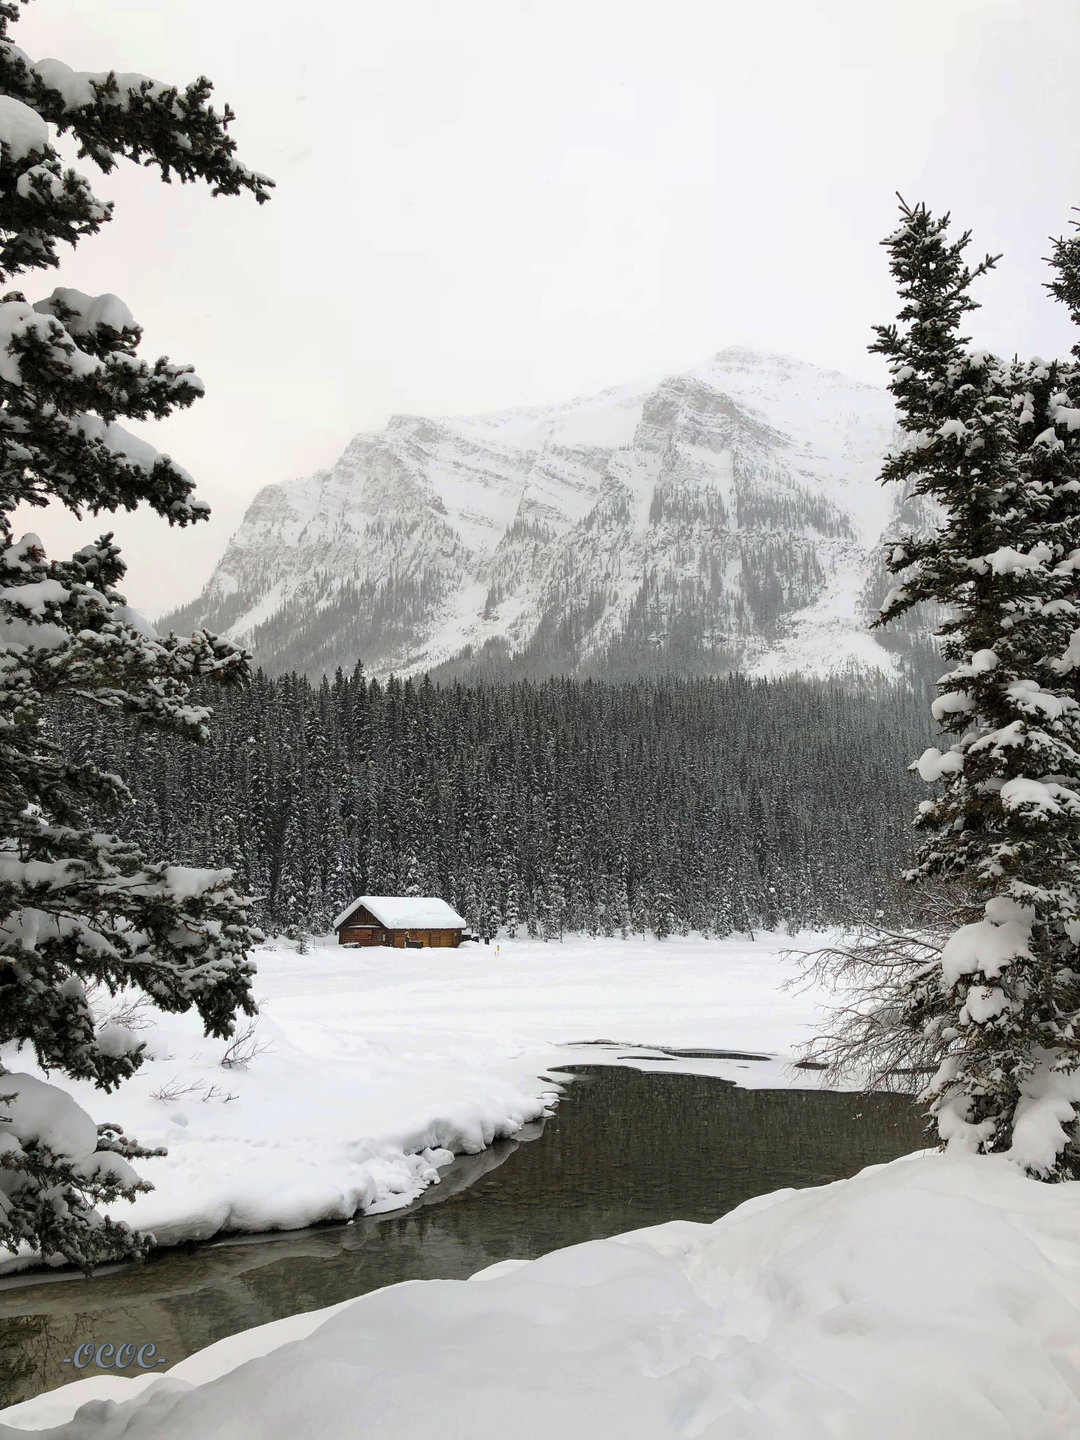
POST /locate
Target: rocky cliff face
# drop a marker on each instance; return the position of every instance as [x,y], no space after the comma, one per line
[724,518]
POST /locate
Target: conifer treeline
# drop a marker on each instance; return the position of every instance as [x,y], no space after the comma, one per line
[651,805]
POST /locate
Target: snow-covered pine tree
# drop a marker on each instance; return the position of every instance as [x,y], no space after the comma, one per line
[995,446]
[79,907]
[1065,259]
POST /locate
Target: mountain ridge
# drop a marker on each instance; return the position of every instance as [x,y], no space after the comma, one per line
[726,517]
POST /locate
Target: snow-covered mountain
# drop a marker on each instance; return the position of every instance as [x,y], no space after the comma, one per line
[724,518]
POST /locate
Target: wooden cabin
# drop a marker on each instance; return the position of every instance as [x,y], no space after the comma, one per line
[399,920]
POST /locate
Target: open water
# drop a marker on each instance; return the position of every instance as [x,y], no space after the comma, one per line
[623,1150]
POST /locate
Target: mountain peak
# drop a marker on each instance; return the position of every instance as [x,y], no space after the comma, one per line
[724,517]
[750,355]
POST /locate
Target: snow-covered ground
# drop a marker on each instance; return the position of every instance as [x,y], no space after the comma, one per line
[937,1297]
[380,1064]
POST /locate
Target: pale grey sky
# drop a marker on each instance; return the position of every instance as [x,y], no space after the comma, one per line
[482,203]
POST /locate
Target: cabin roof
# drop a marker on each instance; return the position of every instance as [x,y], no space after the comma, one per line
[405,912]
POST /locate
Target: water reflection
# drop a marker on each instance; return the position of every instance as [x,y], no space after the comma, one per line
[624,1149]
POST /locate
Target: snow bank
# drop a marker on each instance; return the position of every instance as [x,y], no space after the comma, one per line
[936,1297]
[368,1069]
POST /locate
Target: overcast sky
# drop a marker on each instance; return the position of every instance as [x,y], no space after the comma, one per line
[487,202]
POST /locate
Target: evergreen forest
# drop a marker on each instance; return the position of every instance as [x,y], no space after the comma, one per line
[653,806]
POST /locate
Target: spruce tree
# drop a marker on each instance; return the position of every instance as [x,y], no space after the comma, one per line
[81,909]
[995,446]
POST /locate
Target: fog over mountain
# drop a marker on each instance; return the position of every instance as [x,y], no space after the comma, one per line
[726,518]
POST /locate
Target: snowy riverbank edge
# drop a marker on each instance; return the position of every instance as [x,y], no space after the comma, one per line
[369,1070]
[936,1296]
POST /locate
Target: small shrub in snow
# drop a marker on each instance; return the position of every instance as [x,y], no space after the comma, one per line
[201,1090]
[244,1047]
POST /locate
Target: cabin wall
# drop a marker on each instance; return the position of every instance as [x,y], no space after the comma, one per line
[362,935]
[370,933]
[437,939]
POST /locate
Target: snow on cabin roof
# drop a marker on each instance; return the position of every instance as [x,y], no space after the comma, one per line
[405,912]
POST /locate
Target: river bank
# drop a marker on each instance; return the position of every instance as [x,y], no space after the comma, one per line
[368,1070]
[624,1150]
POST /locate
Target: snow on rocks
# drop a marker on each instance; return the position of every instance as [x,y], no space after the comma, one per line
[368,1069]
[938,1297]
